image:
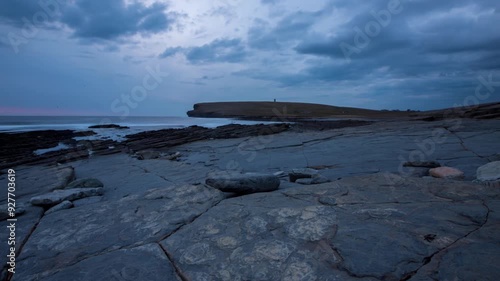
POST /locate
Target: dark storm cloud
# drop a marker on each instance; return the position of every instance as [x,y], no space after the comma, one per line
[90,20]
[410,39]
[219,50]
[13,11]
[292,27]
[112,19]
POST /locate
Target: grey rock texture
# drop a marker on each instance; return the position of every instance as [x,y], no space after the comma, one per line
[243,183]
[63,176]
[489,172]
[84,183]
[369,225]
[376,227]
[4,213]
[304,173]
[71,236]
[61,206]
[58,196]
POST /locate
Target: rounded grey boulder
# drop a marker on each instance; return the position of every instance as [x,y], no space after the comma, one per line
[489,172]
[243,183]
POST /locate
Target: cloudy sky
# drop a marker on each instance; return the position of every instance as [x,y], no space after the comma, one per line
[157,58]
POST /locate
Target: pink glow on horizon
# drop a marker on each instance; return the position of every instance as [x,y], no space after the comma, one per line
[22,111]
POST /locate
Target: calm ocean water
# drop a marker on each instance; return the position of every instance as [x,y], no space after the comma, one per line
[136,124]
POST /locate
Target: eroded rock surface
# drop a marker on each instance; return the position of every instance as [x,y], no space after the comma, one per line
[69,237]
[377,227]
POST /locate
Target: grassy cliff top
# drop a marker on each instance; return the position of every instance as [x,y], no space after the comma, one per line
[268,110]
[295,110]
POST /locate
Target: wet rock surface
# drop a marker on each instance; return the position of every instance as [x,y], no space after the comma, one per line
[376,220]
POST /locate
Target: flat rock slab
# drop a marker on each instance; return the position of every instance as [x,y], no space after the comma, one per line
[489,172]
[24,226]
[243,183]
[70,236]
[147,262]
[84,183]
[376,227]
[58,196]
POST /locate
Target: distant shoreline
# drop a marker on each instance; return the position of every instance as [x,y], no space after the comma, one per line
[293,112]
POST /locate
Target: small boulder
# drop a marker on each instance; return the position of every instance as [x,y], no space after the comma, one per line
[84,183]
[319,179]
[304,173]
[446,173]
[489,172]
[304,181]
[243,183]
[61,206]
[58,196]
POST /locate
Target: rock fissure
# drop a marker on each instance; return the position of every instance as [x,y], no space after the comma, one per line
[429,258]
[177,269]
[463,144]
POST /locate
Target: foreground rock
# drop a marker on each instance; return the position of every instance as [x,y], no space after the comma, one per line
[489,172]
[358,228]
[61,206]
[64,176]
[58,196]
[243,183]
[108,238]
[305,173]
[307,176]
[446,173]
[85,183]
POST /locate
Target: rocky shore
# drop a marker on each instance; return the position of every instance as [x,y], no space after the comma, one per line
[385,200]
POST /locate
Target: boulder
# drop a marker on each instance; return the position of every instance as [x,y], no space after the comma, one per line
[61,206]
[58,196]
[84,183]
[243,183]
[489,172]
[304,173]
[446,173]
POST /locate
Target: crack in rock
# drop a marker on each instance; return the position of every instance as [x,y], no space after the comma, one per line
[428,259]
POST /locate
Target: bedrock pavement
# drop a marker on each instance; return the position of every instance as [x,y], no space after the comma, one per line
[375,220]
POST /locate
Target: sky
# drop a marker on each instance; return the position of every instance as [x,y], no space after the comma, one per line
[158,58]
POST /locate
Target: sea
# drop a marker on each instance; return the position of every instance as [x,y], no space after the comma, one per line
[12,124]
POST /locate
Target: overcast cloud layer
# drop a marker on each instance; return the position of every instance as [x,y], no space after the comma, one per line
[127,57]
